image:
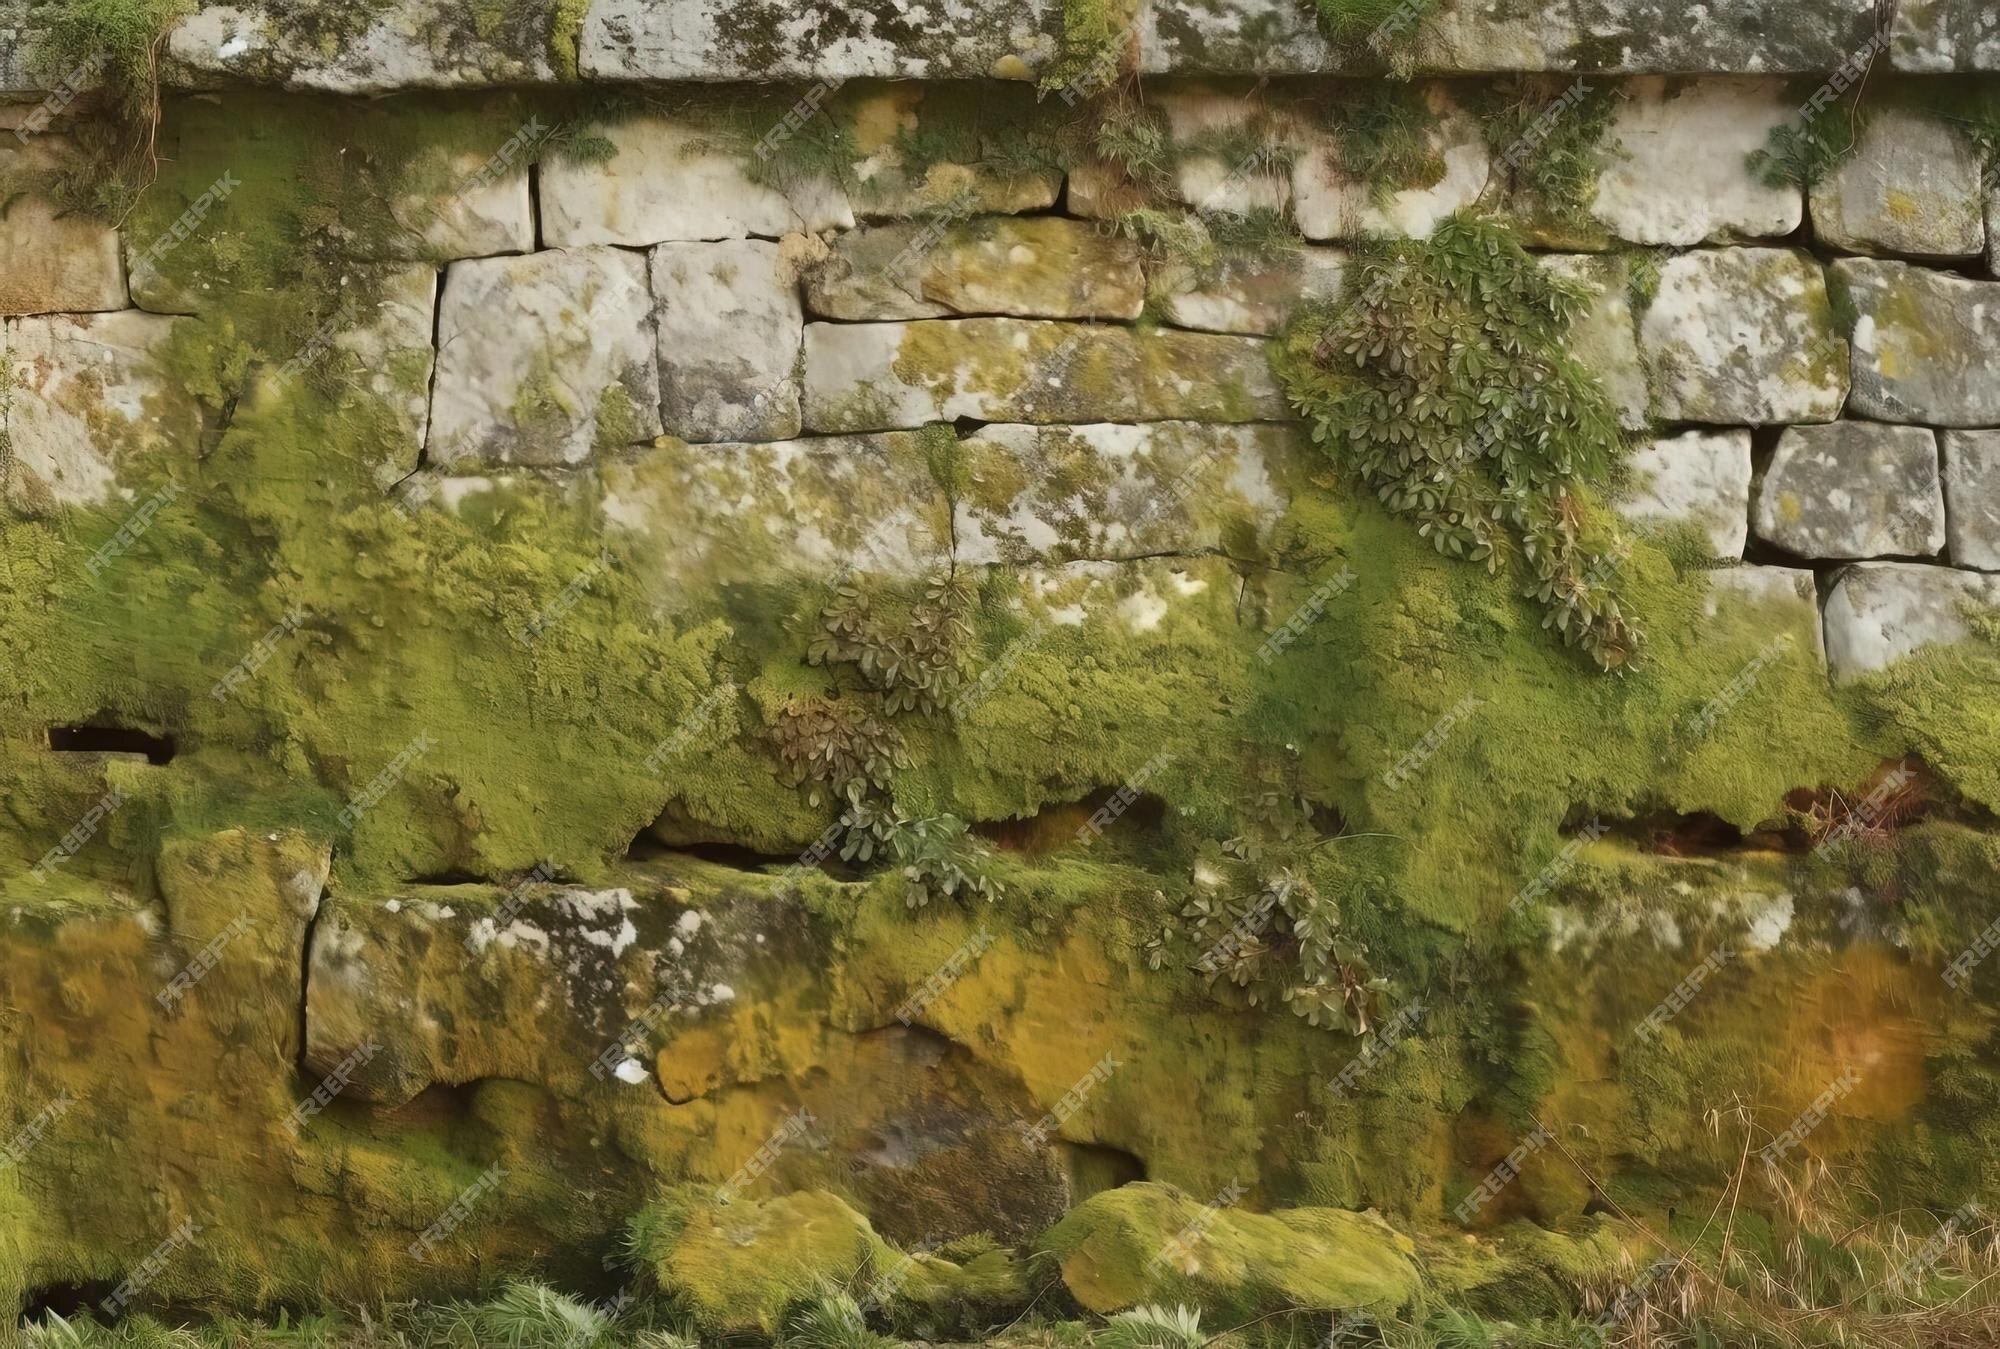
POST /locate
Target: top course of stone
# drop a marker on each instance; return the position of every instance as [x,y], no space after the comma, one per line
[389,45]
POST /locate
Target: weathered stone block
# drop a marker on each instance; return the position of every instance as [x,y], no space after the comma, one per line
[1672,37]
[51,262]
[1329,204]
[730,327]
[817,39]
[1675,163]
[1698,478]
[1878,612]
[714,514]
[1605,336]
[1778,599]
[1923,344]
[1914,185]
[89,396]
[1972,497]
[1933,36]
[413,44]
[1253,295]
[885,184]
[1852,490]
[878,376]
[482,208]
[543,357]
[669,181]
[385,323]
[1043,267]
[1042,494]
[1744,336]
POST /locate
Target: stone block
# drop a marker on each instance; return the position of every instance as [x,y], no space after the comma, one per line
[1041,267]
[1675,169]
[51,262]
[672,180]
[1923,344]
[1698,478]
[1034,495]
[880,376]
[413,44]
[1915,185]
[89,396]
[1853,490]
[1252,295]
[1605,336]
[1972,497]
[730,328]
[986,174]
[1329,204]
[1744,336]
[1775,599]
[544,357]
[1879,612]
[1938,36]
[814,39]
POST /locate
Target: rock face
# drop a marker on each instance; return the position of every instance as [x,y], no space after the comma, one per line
[575,365]
[482,210]
[770,40]
[1675,170]
[1037,495]
[51,262]
[390,341]
[1921,344]
[89,399]
[1972,497]
[1878,612]
[1853,490]
[1605,336]
[1744,335]
[1330,204]
[1777,599]
[670,180]
[878,376]
[730,328]
[1043,267]
[1944,35]
[1249,295]
[416,44]
[1698,479]
[1915,186]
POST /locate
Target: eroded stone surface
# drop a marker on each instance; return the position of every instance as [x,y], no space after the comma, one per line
[885,184]
[1923,344]
[1674,162]
[1779,599]
[1605,336]
[1044,267]
[413,44]
[51,262]
[730,327]
[824,505]
[1878,612]
[88,397]
[389,312]
[878,376]
[1331,205]
[1744,336]
[543,357]
[1252,295]
[1972,497]
[776,40]
[671,181]
[1699,479]
[1942,35]
[1914,185]
[1040,494]
[479,208]
[1852,490]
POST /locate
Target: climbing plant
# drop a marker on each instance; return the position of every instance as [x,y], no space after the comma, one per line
[1443,383]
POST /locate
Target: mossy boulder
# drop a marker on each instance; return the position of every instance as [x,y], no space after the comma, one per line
[740,1266]
[1148,1242]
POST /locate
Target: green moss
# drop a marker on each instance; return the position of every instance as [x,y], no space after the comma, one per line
[1549,132]
[1389,30]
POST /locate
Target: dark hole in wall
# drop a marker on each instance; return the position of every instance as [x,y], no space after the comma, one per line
[158,749]
[1059,825]
[71,1301]
[733,855]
